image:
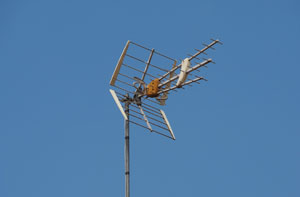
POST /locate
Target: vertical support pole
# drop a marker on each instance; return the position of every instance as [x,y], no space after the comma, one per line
[126,150]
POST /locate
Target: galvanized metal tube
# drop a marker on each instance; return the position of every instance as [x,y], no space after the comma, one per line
[126,151]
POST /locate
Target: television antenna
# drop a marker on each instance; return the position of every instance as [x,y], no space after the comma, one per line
[144,81]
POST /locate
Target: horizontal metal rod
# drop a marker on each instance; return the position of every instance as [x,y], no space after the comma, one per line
[123,89]
[162,134]
[151,105]
[138,70]
[151,101]
[148,112]
[159,126]
[136,117]
[164,56]
[151,123]
[127,76]
[146,63]
[140,46]
[125,83]
[157,120]
[154,52]
[149,117]
[150,109]
[152,130]
[122,96]
[139,124]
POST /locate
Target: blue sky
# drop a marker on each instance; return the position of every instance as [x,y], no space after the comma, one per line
[61,134]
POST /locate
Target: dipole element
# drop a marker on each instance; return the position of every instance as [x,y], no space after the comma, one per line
[126,150]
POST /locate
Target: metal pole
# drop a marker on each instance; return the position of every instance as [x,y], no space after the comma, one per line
[126,150]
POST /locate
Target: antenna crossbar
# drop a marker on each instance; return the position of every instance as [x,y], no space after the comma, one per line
[146,63]
[154,52]
[152,130]
[139,71]
[148,116]
[148,112]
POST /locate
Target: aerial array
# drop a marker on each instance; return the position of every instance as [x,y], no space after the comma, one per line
[143,81]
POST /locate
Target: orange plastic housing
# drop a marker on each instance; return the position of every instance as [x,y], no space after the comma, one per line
[152,88]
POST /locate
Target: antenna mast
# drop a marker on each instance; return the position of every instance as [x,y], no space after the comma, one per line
[126,151]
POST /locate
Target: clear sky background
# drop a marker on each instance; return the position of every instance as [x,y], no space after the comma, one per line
[61,133]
